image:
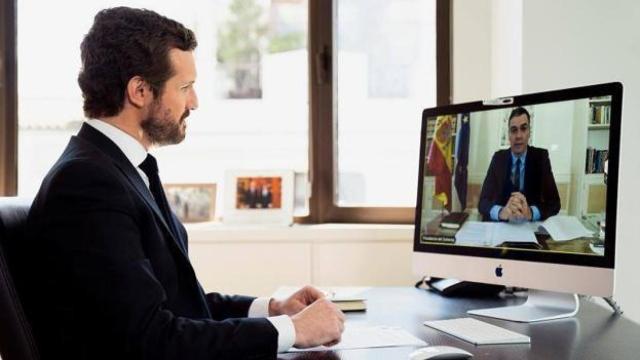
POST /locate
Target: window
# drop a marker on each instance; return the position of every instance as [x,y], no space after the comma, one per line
[350,132]
[384,73]
[384,77]
[252,86]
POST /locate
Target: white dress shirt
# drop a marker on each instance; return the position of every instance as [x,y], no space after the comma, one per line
[136,153]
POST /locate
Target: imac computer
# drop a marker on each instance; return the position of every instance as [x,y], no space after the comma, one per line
[522,191]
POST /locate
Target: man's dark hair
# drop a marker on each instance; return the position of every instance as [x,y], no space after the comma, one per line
[520,111]
[123,43]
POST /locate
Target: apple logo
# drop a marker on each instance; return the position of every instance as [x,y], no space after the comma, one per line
[499,271]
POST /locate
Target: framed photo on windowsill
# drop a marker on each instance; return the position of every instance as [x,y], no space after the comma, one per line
[193,202]
[258,197]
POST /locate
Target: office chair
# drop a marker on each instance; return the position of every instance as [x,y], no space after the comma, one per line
[16,339]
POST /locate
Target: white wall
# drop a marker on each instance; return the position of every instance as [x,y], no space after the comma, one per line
[471,56]
[563,44]
[487,49]
[571,43]
[506,51]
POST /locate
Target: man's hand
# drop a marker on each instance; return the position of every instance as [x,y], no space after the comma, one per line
[523,206]
[321,323]
[509,211]
[296,302]
[516,208]
[505,213]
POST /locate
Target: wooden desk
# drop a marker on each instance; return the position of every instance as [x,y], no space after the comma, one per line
[580,245]
[595,333]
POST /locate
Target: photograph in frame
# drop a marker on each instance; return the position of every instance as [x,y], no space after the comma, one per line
[259,192]
[192,202]
[259,197]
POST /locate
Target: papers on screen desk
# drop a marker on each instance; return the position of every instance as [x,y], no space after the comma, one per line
[364,337]
[562,228]
[476,233]
[347,298]
[559,227]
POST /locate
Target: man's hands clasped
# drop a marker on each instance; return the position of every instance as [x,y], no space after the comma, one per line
[517,209]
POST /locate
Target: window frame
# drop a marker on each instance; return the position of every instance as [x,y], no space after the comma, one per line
[322,147]
[8,100]
[323,170]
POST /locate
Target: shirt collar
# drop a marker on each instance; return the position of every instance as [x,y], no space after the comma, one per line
[522,158]
[132,149]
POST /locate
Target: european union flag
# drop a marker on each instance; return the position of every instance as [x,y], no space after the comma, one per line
[462,160]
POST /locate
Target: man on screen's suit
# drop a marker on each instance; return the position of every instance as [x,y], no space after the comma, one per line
[539,188]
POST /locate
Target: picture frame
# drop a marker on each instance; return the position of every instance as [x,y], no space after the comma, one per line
[192,202]
[259,197]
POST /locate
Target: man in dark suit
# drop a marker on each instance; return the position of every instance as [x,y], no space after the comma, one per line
[519,185]
[266,196]
[105,270]
[252,195]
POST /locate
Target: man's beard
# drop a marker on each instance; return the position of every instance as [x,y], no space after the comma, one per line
[161,129]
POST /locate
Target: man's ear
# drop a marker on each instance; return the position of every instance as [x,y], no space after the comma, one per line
[138,92]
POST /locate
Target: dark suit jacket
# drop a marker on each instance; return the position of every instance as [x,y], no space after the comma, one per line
[539,185]
[105,278]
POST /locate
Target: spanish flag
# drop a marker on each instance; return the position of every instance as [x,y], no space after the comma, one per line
[439,159]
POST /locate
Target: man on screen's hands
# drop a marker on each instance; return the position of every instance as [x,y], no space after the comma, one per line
[516,209]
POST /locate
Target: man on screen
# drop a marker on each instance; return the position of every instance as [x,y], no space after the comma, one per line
[519,185]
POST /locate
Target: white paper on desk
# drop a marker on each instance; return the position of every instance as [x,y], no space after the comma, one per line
[476,233]
[364,337]
[535,227]
[520,232]
[334,293]
[563,228]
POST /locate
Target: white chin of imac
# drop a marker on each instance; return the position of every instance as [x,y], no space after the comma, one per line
[558,284]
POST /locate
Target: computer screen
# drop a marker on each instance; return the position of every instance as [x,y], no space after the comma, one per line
[521,190]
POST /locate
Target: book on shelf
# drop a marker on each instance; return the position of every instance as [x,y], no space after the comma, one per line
[454,220]
[600,114]
[595,160]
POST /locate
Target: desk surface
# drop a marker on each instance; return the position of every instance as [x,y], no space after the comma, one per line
[595,333]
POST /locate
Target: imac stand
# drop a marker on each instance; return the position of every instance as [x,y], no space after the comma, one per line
[540,306]
[614,305]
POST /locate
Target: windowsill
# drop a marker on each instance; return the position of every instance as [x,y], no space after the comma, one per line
[224,233]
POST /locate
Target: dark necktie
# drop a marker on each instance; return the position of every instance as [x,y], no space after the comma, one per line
[516,176]
[150,168]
